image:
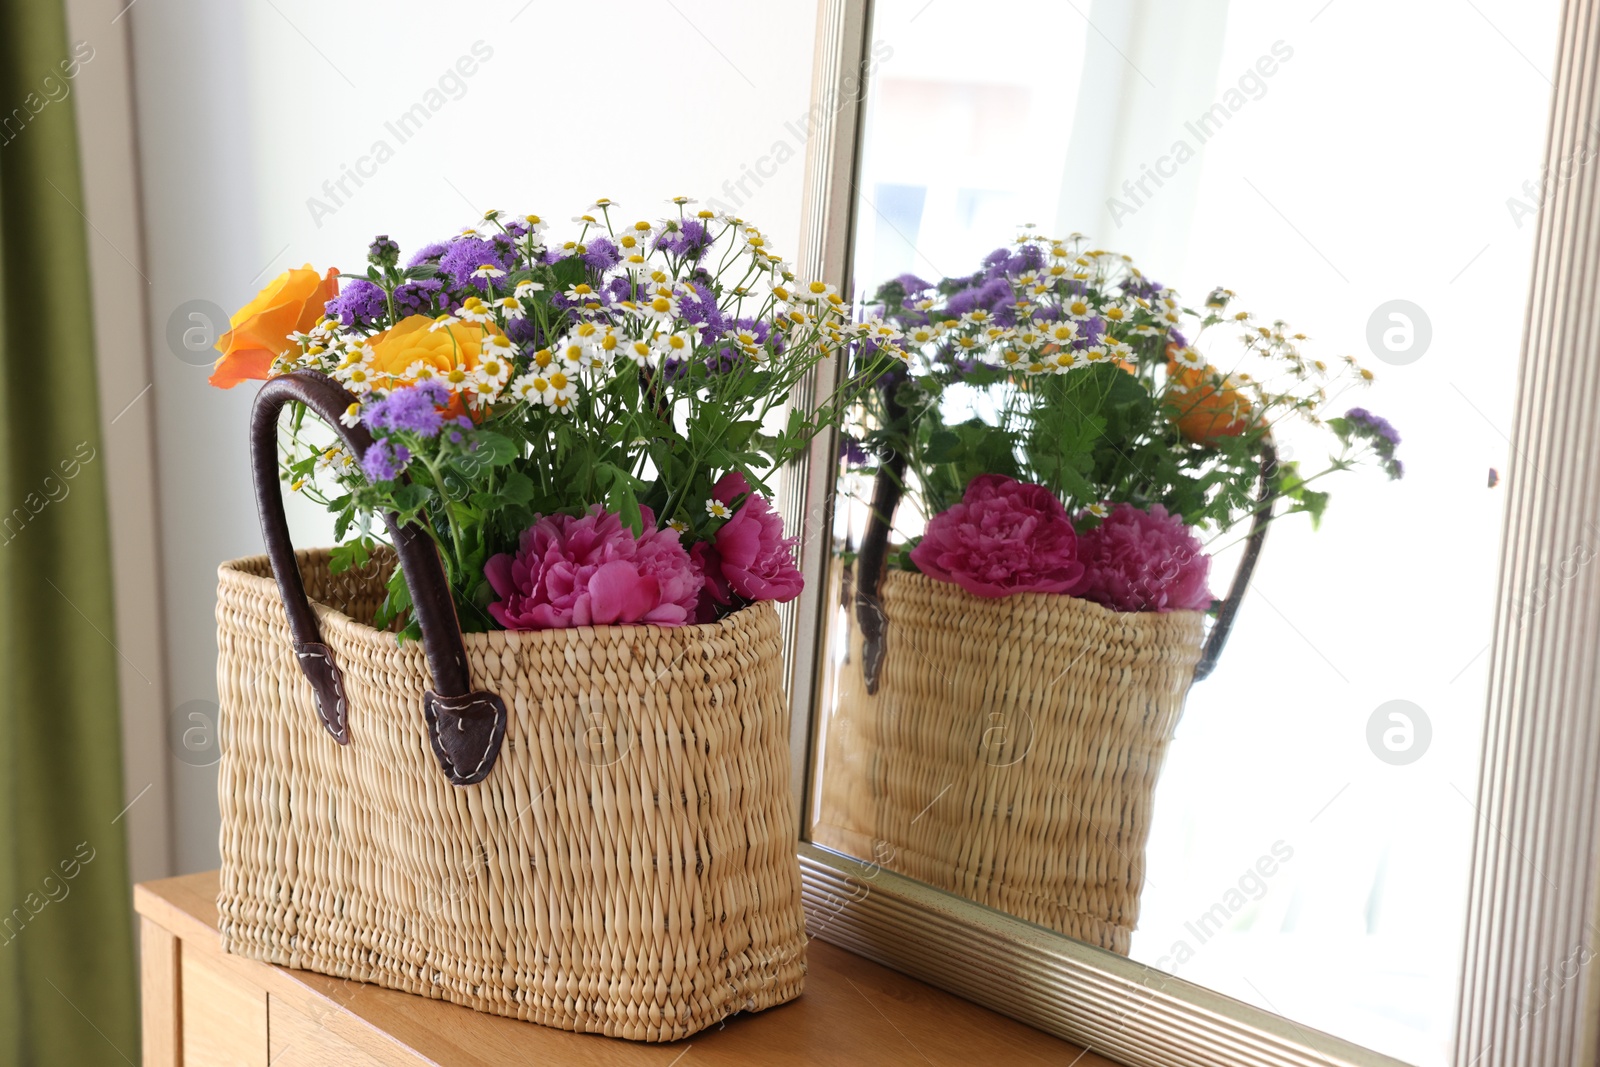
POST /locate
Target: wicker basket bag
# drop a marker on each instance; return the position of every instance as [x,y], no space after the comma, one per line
[597,839]
[1008,749]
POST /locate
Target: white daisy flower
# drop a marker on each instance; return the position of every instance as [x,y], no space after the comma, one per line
[659,305]
[678,345]
[1061,333]
[441,321]
[357,379]
[511,308]
[458,379]
[1188,357]
[562,388]
[526,289]
[817,292]
[570,352]
[351,416]
[474,310]
[1079,307]
[717,509]
[583,294]
[607,342]
[528,387]
[1066,360]
[640,351]
[1099,511]
[488,271]
[335,458]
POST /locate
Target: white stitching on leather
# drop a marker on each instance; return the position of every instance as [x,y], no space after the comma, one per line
[451,704]
[337,679]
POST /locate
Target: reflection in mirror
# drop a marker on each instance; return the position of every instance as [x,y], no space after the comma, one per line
[1137,632]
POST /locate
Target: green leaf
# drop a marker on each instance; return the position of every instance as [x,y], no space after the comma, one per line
[518,488]
[494,449]
[409,499]
[342,557]
[568,271]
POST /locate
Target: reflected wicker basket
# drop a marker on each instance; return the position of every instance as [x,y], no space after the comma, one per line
[1007,750]
[1011,751]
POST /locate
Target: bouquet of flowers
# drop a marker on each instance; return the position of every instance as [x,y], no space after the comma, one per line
[1068,425]
[582,425]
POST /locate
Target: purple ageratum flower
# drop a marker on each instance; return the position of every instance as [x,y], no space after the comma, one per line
[1090,333]
[361,303]
[1383,437]
[1375,425]
[418,297]
[1176,338]
[913,285]
[384,462]
[700,308]
[1142,287]
[601,255]
[851,452]
[414,409]
[689,241]
[1028,257]
[383,249]
[523,331]
[429,253]
[467,254]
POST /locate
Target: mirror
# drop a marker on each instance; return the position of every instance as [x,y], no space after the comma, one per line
[1294,828]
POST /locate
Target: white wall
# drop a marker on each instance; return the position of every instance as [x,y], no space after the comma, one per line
[245,111]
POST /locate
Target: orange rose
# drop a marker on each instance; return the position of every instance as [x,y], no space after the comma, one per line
[1204,411]
[449,350]
[452,352]
[291,302]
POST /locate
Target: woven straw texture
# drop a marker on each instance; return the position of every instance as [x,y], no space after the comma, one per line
[1011,751]
[628,867]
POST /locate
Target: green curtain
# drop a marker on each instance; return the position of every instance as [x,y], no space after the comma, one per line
[67,986]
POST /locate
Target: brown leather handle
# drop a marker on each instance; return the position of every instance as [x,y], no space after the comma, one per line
[886,492]
[1266,497]
[465,727]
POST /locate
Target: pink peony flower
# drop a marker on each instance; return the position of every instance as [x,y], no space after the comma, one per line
[592,571]
[1004,537]
[1143,561]
[749,559]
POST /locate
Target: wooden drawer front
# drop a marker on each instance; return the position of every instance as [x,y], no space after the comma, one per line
[224,1016]
[300,1041]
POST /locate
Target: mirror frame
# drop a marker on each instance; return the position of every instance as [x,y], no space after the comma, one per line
[1525,996]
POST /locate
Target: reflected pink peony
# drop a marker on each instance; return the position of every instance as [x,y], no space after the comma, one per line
[592,571]
[1004,537]
[1144,561]
[749,559]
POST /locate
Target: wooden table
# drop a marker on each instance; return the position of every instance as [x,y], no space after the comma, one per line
[204,1008]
